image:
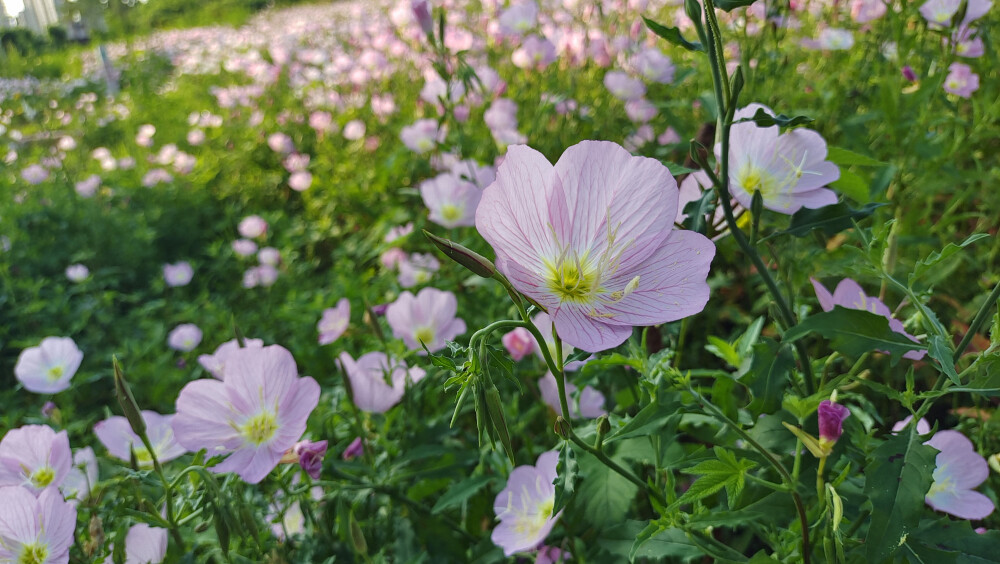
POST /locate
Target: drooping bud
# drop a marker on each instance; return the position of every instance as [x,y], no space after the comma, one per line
[471,260]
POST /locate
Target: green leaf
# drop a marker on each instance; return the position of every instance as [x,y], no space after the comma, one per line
[605,495]
[672,34]
[853,332]
[939,350]
[851,185]
[676,169]
[723,350]
[566,477]
[843,157]
[730,5]
[726,471]
[698,210]
[958,540]
[669,543]
[897,478]
[987,380]
[764,119]
[460,492]
[649,421]
[770,368]
[930,263]
[830,219]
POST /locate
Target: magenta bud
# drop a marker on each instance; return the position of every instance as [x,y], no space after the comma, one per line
[48,409]
[354,450]
[422,13]
[908,74]
[310,456]
[831,420]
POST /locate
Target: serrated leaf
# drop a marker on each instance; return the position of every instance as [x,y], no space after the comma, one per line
[726,471]
[853,332]
[987,380]
[897,478]
[852,186]
[672,34]
[939,350]
[567,472]
[829,219]
[839,156]
[670,543]
[770,368]
[649,421]
[644,535]
[460,492]
[928,264]
[698,210]
[604,495]
[723,350]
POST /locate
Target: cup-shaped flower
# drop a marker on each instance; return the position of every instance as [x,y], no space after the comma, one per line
[961,81]
[524,507]
[789,170]
[367,376]
[451,200]
[48,368]
[117,436]
[849,294]
[35,530]
[959,469]
[145,544]
[591,240]
[334,322]
[831,420]
[178,274]
[256,413]
[428,318]
[519,343]
[215,363]
[185,337]
[35,457]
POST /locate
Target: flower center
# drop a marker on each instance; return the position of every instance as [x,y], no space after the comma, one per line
[33,553]
[451,212]
[755,179]
[424,335]
[260,428]
[42,477]
[55,372]
[573,280]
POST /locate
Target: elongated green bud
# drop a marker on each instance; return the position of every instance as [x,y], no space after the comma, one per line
[494,408]
[562,427]
[471,260]
[358,536]
[127,400]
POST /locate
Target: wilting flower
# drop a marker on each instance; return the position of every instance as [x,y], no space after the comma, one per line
[35,530]
[353,450]
[519,343]
[35,457]
[789,169]
[961,81]
[178,274]
[334,322]
[257,413]
[185,337]
[908,73]
[116,434]
[417,269]
[422,14]
[367,376]
[588,404]
[82,476]
[524,506]
[48,368]
[850,295]
[77,272]
[252,226]
[451,200]
[959,468]
[831,420]
[428,318]
[591,240]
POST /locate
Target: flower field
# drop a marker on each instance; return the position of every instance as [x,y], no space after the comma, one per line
[507,281]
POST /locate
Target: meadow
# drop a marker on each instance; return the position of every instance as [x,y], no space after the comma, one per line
[506,281]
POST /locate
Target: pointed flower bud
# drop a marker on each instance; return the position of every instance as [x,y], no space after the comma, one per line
[831,420]
[422,13]
[127,400]
[311,456]
[471,260]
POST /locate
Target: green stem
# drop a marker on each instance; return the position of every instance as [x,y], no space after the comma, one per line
[175,531]
[977,322]
[614,466]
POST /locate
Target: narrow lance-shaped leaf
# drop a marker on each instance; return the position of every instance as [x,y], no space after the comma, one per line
[928,264]
[672,34]
[940,351]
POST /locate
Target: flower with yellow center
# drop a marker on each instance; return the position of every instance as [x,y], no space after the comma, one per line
[524,507]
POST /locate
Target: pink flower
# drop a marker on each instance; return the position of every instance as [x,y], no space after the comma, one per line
[641,110]
[354,450]
[280,143]
[178,274]
[959,468]
[961,81]
[524,506]
[296,162]
[864,11]
[552,555]
[36,531]
[831,419]
[417,269]
[300,181]
[519,343]
[215,363]
[145,544]
[850,295]
[398,232]
[588,404]
[535,53]
[82,476]
[269,256]
[654,66]
[34,174]
[518,18]
[428,318]
[789,169]
[451,200]
[591,240]
[835,39]
[257,413]
[367,376]
[87,187]
[940,12]
[354,130]
[393,257]
[422,15]
[252,226]
[34,457]
[195,137]
[244,247]
[624,87]
[923,427]
[421,136]
[77,272]
[49,367]
[116,434]
[334,322]
[184,338]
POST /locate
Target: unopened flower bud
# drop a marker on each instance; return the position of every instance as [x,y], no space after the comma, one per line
[831,418]
[473,261]
[422,13]
[562,427]
[354,450]
[908,74]
[310,456]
